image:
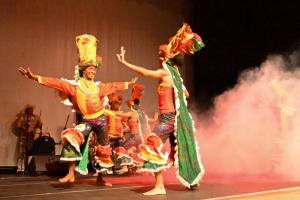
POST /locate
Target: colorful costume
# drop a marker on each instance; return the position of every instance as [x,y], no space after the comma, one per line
[87,97]
[134,138]
[116,134]
[137,127]
[140,127]
[175,121]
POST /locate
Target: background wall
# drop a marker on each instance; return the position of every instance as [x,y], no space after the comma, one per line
[40,34]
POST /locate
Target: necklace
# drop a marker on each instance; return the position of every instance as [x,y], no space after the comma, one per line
[88,87]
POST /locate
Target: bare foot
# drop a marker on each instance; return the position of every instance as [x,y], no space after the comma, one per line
[155,191]
[100,181]
[103,183]
[67,179]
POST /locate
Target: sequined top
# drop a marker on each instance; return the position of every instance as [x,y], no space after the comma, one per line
[87,98]
[165,99]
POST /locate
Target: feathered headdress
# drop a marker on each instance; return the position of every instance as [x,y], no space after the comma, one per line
[137,91]
[185,41]
[136,94]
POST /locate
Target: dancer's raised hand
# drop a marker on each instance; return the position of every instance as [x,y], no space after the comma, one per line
[133,80]
[27,73]
[121,55]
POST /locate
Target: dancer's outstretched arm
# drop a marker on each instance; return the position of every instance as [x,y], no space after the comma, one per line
[54,83]
[159,73]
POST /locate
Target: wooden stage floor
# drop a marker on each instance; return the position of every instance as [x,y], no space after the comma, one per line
[131,188]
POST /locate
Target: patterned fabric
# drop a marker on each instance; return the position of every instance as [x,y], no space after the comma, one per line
[121,157]
[137,161]
[165,128]
[132,140]
[187,157]
[154,155]
[103,161]
[152,152]
[74,136]
[100,127]
[69,153]
[88,103]
[183,42]
[77,145]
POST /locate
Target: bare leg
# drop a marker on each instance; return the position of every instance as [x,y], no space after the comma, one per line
[159,187]
[101,181]
[70,177]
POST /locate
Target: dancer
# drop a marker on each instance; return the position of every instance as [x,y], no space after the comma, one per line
[87,97]
[116,134]
[175,121]
[138,125]
[138,121]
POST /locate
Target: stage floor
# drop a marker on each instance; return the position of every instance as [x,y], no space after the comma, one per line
[132,187]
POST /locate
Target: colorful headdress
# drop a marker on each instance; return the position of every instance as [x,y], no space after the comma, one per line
[183,42]
[87,50]
[136,93]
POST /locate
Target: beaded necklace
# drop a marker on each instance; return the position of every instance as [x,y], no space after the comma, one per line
[88,87]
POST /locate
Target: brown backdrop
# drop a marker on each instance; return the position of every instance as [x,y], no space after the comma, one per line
[40,34]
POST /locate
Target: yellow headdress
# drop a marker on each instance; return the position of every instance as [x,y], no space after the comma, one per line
[87,50]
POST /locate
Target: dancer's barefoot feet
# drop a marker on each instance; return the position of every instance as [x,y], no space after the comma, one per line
[155,191]
[67,179]
[104,183]
[100,181]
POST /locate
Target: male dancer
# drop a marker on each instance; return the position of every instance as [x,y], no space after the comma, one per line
[87,97]
[175,121]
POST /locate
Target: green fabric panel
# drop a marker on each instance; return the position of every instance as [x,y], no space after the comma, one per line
[70,152]
[188,164]
[152,166]
[82,164]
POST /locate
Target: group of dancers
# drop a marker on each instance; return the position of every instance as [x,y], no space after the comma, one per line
[147,155]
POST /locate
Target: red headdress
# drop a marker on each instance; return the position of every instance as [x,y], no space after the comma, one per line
[136,94]
[185,41]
